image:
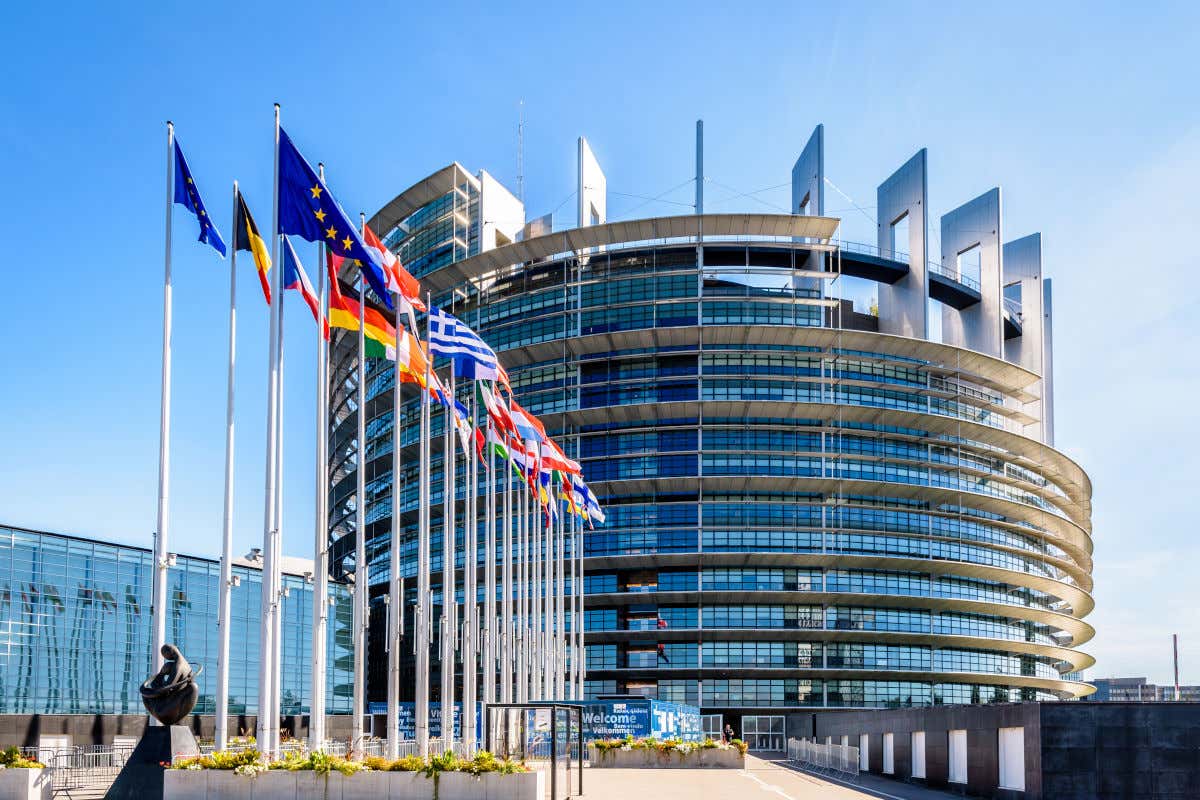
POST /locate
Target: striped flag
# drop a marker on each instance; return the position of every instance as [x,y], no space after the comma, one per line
[294,278]
[452,338]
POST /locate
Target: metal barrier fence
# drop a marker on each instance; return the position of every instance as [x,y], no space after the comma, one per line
[76,769]
[832,759]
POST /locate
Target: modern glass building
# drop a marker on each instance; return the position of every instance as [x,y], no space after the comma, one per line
[75,627]
[808,505]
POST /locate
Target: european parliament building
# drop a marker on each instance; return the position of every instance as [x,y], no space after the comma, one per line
[808,505]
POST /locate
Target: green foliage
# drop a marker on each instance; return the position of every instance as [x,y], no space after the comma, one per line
[222,759]
[664,747]
[250,762]
[12,759]
[487,762]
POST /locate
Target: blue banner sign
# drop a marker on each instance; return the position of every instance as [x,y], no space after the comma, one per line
[616,719]
[408,719]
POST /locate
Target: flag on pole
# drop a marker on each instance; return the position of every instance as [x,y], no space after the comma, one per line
[553,458]
[246,237]
[496,410]
[379,333]
[307,209]
[454,339]
[399,280]
[411,357]
[188,196]
[528,426]
[294,278]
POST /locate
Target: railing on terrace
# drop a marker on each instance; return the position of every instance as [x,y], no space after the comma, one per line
[957,277]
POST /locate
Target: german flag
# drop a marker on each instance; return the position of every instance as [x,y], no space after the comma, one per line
[246,237]
[379,333]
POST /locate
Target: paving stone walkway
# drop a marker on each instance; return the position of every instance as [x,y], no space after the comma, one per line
[762,779]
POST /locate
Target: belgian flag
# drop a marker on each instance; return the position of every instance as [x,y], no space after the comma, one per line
[246,237]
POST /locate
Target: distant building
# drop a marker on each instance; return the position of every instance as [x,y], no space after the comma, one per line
[1137,689]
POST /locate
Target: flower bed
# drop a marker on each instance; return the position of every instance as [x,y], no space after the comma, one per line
[412,778]
[667,753]
[23,778]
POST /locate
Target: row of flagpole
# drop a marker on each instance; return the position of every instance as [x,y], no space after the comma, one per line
[523,652]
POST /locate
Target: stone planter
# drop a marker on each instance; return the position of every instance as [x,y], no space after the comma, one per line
[25,784]
[277,784]
[712,758]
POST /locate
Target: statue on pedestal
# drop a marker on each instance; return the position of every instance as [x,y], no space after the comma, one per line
[171,693]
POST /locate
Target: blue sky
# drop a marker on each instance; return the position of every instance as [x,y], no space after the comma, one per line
[1088,116]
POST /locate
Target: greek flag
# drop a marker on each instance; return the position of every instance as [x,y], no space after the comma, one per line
[450,337]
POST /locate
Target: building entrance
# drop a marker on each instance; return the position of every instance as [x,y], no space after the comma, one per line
[761,732]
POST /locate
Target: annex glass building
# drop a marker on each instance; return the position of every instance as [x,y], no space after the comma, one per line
[808,505]
[75,628]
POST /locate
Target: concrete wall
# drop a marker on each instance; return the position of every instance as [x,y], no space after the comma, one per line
[24,730]
[1110,750]
[1073,751]
[980,722]
[903,305]
[976,222]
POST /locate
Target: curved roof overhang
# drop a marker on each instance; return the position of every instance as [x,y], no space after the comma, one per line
[1079,630]
[652,229]
[1080,601]
[1064,689]
[1061,531]
[774,409]
[1075,659]
[419,194]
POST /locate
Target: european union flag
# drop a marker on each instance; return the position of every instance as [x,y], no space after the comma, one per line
[308,210]
[188,196]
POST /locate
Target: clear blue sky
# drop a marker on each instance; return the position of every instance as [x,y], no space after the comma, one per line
[1088,116]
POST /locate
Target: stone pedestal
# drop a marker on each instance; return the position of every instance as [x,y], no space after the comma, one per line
[142,776]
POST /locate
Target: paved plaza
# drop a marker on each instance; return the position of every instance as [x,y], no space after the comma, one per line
[761,780]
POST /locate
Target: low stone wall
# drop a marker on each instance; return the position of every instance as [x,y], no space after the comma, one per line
[25,784]
[648,758]
[184,784]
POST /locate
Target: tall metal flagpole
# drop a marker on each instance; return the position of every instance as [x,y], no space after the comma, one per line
[266,674]
[526,666]
[320,612]
[582,614]
[490,633]
[159,608]
[449,602]
[396,582]
[577,623]
[470,624]
[518,617]
[360,531]
[537,562]
[423,617]
[506,626]
[226,586]
[277,563]
[560,639]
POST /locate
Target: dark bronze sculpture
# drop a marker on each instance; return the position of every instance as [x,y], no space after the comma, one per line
[171,693]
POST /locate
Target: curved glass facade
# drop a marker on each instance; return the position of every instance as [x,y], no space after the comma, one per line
[75,617]
[800,512]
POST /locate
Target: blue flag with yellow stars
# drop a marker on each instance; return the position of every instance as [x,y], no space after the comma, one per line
[188,196]
[308,210]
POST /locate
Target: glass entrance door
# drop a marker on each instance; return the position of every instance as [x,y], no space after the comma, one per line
[763,732]
[712,726]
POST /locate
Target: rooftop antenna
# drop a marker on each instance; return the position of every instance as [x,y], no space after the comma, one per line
[1175,648]
[521,150]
